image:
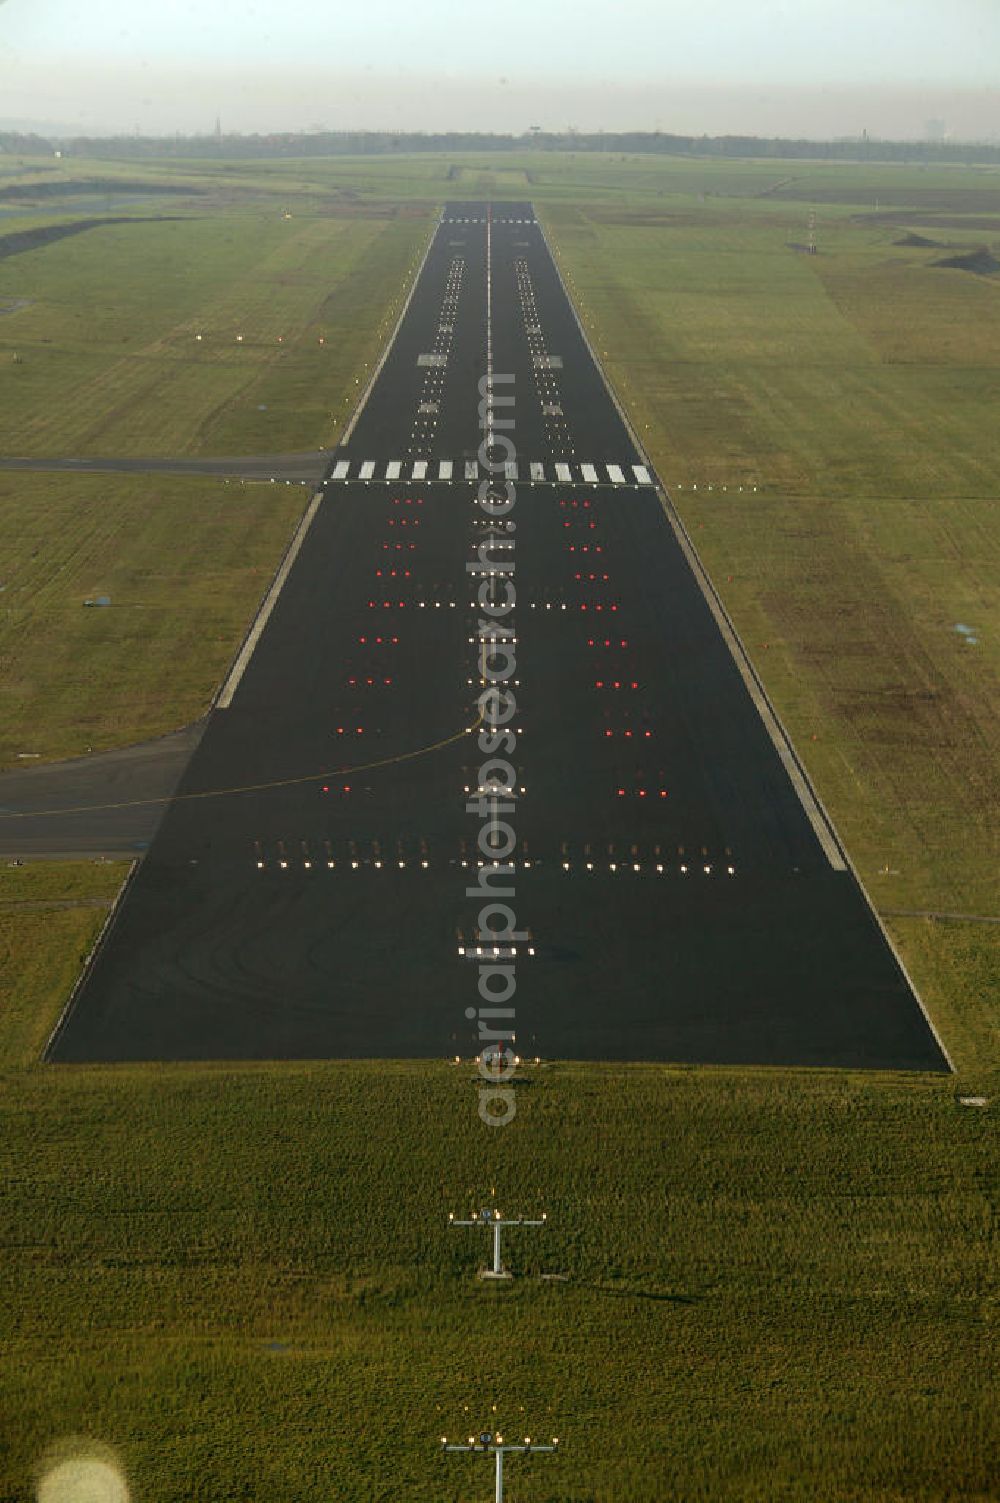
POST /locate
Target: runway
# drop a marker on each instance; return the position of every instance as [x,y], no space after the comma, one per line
[682,894]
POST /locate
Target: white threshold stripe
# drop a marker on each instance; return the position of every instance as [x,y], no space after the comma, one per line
[246,652]
[447,470]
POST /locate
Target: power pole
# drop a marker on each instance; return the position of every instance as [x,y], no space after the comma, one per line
[489,1444]
[496,1221]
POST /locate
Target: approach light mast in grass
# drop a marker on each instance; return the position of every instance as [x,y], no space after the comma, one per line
[494,1220]
[489,1444]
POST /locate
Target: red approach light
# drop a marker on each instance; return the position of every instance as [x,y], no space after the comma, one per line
[609,733]
[598,683]
[326,788]
[629,734]
[621,793]
[590,641]
[663,793]
[378,573]
[362,640]
[617,683]
[347,787]
[635,683]
[647,734]
[642,793]
[394,640]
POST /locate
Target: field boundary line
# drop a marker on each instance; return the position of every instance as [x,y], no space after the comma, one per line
[345,437]
[231,683]
[743,663]
[85,969]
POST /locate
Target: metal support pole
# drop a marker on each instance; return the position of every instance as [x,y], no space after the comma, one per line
[488,1444]
[493,1219]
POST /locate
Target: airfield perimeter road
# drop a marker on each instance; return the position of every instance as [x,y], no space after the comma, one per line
[682,901]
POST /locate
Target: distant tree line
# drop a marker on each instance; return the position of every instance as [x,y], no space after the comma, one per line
[236,147]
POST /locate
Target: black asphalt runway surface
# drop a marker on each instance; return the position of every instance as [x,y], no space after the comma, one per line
[120,795]
[678,896]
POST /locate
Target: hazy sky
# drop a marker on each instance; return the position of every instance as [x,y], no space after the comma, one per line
[810,67]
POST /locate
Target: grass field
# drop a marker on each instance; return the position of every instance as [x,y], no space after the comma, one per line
[777,1287]
[184,562]
[824,424]
[103,357]
[219,333]
[778,1284]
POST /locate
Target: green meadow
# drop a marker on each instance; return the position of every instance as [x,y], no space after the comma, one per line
[219,333]
[771,1285]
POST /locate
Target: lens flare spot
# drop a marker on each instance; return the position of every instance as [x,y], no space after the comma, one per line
[81,1472]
